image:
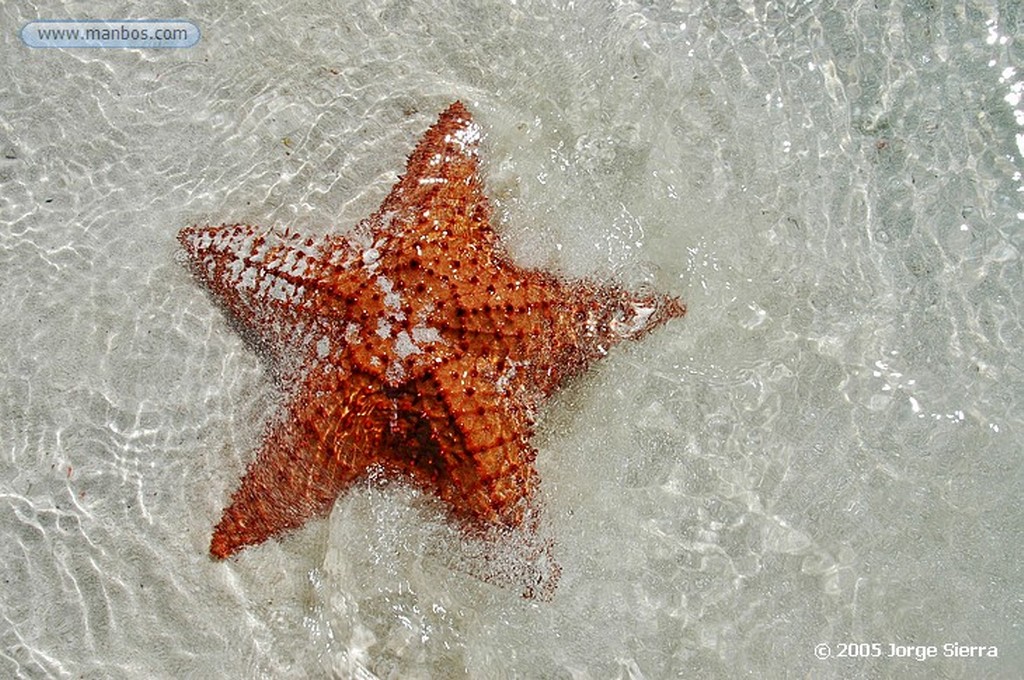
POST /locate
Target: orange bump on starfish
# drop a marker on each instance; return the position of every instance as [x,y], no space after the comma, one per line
[410,342]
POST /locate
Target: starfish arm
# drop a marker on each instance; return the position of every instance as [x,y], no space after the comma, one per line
[269,281]
[582,324]
[309,456]
[441,192]
[483,434]
[540,330]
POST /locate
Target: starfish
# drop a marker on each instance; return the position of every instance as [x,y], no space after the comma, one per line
[410,343]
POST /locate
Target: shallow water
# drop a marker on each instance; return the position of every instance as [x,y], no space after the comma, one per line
[825,450]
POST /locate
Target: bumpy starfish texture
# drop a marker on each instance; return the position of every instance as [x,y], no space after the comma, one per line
[410,343]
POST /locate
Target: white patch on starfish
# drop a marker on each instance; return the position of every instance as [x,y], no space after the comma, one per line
[282,289]
[466,137]
[505,379]
[395,373]
[404,346]
[637,322]
[370,256]
[248,277]
[425,334]
[392,300]
[235,268]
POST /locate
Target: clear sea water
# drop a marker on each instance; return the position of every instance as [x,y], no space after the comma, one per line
[826,450]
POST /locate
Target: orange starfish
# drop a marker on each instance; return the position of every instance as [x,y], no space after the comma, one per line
[411,343]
